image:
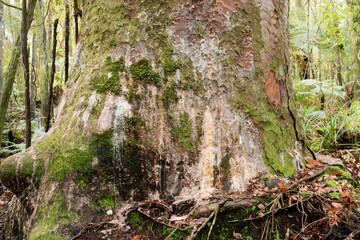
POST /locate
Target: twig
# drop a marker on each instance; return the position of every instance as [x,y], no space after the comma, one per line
[308,178]
[218,207]
[310,224]
[155,220]
[168,237]
[9,5]
[195,231]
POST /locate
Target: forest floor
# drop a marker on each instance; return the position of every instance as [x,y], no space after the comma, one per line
[321,202]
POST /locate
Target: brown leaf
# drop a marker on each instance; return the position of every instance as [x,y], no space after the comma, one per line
[237,235]
[261,206]
[311,163]
[337,205]
[136,237]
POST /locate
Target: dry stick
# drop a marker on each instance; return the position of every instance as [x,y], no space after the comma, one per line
[48,118]
[67,35]
[195,232]
[214,220]
[25,58]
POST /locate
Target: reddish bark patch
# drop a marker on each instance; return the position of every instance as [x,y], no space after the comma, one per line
[247,58]
[226,5]
[273,89]
[133,7]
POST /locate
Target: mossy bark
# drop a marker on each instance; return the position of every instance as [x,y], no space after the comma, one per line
[166,100]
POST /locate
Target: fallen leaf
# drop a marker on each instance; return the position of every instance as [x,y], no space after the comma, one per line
[311,163]
[337,205]
[237,235]
[261,206]
[136,237]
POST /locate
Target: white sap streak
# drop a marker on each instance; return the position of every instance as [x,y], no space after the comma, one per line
[205,173]
[123,110]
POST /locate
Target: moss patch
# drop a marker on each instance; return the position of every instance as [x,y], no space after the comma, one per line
[182,132]
[70,161]
[142,71]
[52,216]
[170,95]
[109,80]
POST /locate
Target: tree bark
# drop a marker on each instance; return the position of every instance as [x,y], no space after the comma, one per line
[77,14]
[168,101]
[25,59]
[67,36]
[9,77]
[33,78]
[52,76]
[44,82]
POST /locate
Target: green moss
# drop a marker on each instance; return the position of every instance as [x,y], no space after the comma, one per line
[169,64]
[182,132]
[331,183]
[70,161]
[134,220]
[335,195]
[109,80]
[170,95]
[8,170]
[105,202]
[346,175]
[142,71]
[51,217]
[177,235]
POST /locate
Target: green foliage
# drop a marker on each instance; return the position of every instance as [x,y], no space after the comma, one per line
[142,70]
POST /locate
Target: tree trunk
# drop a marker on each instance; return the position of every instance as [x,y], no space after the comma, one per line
[67,41]
[167,101]
[33,78]
[52,76]
[45,73]
[25,59]
[9,77]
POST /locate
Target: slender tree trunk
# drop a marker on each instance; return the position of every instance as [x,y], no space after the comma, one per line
[45,73]
[33,78]
[9,76]
[50,100]
[25,59]
[67,36]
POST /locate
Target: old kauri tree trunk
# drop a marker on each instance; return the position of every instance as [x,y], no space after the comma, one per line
[168,100]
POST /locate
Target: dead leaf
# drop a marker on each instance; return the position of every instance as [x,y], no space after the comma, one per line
[337,205]
[261,206]
[237,235]
[136,237]
[311,163]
